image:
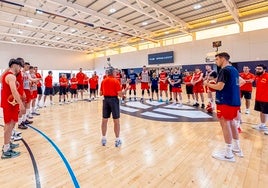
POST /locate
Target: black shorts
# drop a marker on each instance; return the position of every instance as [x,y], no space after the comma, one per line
[85,87]
[261,107]
[80,86]
[97,86]
[154,89]
[39,91]
[245,94]
[111,105]
[189,89]
[73,91]
[48,91]
[63,90]
[170,88]
[92,91]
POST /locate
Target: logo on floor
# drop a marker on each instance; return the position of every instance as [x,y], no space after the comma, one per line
[160,111]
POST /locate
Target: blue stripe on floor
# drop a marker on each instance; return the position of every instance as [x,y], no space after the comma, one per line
[75,182]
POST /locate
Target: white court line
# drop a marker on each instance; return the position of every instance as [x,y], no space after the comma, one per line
[156,115]
[185,113]
[137,104]
[127,109]
[184,107]
[154,103]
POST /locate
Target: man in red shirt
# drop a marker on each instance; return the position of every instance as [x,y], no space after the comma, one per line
[63,87]
[189,86]
[93,81]
[80,79]
[246,89]
[48,88]
[111,89]
[39,86]
[11,103]
[261,99]
[197,81]
[163,84]
[73,88]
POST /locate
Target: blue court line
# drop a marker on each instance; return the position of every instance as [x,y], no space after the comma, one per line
[76,184]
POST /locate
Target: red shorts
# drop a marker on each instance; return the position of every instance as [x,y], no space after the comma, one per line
[198,89]
[124,86]
[132,87]
[227,112]
[34,94]
[28,94]
[11,113]
[144,85]
[176,90]
[163,86]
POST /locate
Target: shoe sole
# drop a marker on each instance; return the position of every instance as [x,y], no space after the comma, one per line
[10,157]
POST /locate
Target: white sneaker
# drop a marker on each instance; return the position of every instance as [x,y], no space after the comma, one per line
[180,105]
[238,152]
[247,111]
[16,137]
[260,127]
[221,155]
[265,132]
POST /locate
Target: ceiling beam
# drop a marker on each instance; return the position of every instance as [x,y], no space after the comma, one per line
[161,15]
[233,10]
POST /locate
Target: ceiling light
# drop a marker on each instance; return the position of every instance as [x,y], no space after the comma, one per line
[57,38]
[20,32]
[213,21]
[167,32]
[197,6]
[85,43]
[102,37]
[119,33]
[112,10]
[14,40]
[144,23]
[29,21]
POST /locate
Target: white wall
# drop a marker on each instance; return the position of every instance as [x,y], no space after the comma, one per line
[45,58]
[246,46]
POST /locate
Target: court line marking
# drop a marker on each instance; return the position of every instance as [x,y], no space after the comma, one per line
[65,161]
[36,171]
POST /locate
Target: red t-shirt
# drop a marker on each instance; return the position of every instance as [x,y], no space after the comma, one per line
[248,85]
[19,79]
[63,82]
[93,83]
[262,88]
[48,81]
[196,76]
[6,94]
[73,83]
[110,86]
[163,76]
[38,75]
[187,80]
[80,77]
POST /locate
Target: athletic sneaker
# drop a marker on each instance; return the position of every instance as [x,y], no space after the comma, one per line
[141,100]
[196,104]
[16,133]
[135,99]
[9,154]
[238,152]
[103,142]
[180,105]
[30,116]
[22,126]
[13,146]
[167,102]
[247,111]
[35,114]
[118,143]
[16,137]
[260,127]
[221,155]
[265,132]
[203,106]
[28,122]
[160,100]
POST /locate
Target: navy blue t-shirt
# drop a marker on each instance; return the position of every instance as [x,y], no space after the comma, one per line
[175,77]
[230,94]
[154,82]
[132,76]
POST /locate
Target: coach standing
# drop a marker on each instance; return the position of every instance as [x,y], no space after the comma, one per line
[111,89]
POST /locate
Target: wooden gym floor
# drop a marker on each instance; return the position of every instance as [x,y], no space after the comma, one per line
[62,149]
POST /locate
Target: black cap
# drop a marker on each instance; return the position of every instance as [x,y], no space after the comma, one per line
[14,61]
